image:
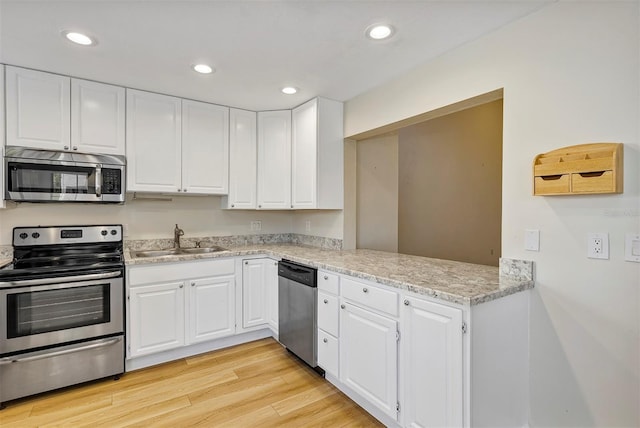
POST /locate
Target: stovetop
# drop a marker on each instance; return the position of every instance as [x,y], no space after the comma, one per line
[42,252]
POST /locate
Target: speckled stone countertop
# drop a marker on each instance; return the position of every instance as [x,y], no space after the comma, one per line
[456,282]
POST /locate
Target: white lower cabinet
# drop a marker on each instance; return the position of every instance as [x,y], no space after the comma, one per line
[178,304]
[260,293]
[328,353]
[211,313]
[156,318]
[369,356]
[431,348]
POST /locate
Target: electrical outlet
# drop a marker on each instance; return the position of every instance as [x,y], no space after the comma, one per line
[598,246]
[307,226]
[256,226]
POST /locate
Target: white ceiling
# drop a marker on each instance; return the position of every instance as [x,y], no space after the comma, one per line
[256,46]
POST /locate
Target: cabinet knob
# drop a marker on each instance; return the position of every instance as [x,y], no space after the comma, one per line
[259,206]
[193,284]
[342,306]
[246,263]
[184,190]
[291,206]
[365,290]
[233,205]
[326,301]
[181,285]
[66,147]
[406,302]
[179,190]
[75,147]
[326,278]
[325,340]
[275,263]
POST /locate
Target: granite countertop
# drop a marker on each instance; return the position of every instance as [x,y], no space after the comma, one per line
[456,282]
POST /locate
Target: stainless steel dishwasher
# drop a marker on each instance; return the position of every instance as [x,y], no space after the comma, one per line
[297,292]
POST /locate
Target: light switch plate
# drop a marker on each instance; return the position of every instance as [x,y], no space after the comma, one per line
[598,246]
[632,247]
[532,240]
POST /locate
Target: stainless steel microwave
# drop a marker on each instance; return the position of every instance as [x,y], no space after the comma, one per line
[48,176]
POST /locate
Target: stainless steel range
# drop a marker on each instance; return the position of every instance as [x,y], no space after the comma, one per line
[61,308]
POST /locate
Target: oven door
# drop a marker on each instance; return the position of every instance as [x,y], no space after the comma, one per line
[41,313]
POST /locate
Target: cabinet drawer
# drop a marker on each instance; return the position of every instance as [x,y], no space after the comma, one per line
[592,182]
[328,353]
[328,314]
[551,184]
[373,297]
[329,282]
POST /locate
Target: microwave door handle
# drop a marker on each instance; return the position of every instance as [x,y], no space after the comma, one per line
[98,180]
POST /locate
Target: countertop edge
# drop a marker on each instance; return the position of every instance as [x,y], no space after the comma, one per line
[519,285]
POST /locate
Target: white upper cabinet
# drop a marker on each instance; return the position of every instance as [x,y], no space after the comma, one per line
[52,112]
[175,145]
[153,142]
[242,160]
[38,109]
[274,159]
[97,117]
[205,148]
[317,155]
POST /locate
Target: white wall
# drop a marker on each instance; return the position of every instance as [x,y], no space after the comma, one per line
[570,74]
[197,216]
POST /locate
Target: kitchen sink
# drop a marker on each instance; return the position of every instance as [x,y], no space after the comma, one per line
[176,251]
[201,250]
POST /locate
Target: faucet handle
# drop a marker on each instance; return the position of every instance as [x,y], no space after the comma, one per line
[198,244]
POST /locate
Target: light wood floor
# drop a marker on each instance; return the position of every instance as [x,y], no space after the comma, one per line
[257,384]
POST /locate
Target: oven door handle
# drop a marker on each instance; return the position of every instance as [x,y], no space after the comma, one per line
[48,354]
[60,280]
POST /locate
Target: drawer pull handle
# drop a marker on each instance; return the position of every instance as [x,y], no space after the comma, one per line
[365,290]
[326,278]
[406,302]
[325,340]
[326,301]
[342,306]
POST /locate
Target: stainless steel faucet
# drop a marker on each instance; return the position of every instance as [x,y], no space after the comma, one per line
[177,233]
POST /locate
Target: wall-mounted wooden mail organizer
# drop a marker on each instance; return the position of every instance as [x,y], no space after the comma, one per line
[578,170]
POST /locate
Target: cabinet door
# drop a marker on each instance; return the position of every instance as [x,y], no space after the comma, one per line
[242,160]
[432,364]
[254,301]
[304,142]
[211,308]
[205,148]
[97,117]
[157,318]
[369,356]
[38,109]
[271,282]
[274,160]
[153,142]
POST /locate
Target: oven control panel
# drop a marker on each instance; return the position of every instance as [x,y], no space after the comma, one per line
[50,235]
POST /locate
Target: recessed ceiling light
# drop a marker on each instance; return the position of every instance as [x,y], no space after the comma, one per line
[79,38]
[289,90]
[203,68]
[379,31]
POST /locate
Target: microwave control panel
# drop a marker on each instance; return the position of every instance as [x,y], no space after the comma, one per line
[111,181]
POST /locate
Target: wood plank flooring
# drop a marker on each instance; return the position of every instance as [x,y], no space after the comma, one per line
[258,384]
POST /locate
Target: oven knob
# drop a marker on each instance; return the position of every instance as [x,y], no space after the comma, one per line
[35,235]
[24,235]
[114,232]
[103,232]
